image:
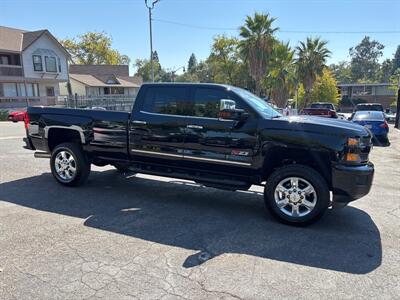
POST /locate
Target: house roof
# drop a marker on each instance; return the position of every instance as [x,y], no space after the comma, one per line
[17,40]
[94,81]
[100,70]
[11,39]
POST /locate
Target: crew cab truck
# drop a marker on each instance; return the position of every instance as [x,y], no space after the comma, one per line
[218,136]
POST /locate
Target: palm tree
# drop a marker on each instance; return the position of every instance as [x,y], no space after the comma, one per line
[311,60]
[281,78]
[257,44]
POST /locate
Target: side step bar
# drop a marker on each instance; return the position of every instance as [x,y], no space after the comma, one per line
[42,155]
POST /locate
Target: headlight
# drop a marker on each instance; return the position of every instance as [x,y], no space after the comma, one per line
[353,142]
[353,157]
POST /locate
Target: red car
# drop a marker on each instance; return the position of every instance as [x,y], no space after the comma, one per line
[16,116]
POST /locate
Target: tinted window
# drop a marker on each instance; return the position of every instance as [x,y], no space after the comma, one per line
[167,100]
[364,107]
[322,105]
[368,116]
[207,102]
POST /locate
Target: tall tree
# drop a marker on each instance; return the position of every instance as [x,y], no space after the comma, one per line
[256,45]
[192,63]
[281,78]
[155,56]
[386,70]
[396,59]
[341,71]
[143,69]
[365,60]
[94,48]
[225,61]
[312,55]
[325,88]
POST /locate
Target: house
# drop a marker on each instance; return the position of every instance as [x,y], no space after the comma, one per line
[354,93]
[32,65]
[102,80]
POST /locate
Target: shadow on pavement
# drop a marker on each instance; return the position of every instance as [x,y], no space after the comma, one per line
[210,221]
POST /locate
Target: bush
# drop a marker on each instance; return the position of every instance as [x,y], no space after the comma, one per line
[3,115]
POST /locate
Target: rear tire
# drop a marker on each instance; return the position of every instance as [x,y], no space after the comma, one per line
[297,195]
[69,165]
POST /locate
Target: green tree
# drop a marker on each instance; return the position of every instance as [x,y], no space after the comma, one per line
[365,60]
[192,63]
[225,62]
[341,71]
[94,48]
[256,45]
[325,88]
[143,69]
[281,79]
[312,55]
[396,59]
[386,70]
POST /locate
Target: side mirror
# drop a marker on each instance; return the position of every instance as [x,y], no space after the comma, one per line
[228,111]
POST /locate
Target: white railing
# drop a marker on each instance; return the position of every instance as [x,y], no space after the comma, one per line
[23,101]
[107,102]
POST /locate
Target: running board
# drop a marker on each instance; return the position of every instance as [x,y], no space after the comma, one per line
[42,155]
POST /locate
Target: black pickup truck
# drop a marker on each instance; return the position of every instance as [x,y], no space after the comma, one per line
[218,136]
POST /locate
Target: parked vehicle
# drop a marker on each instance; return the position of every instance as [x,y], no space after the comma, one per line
[321,109]
[369,107]
[390,117]
[375,121]
[217,135]
[16,116]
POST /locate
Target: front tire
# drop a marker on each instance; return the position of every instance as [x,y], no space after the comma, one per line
[297,195]
[69,165]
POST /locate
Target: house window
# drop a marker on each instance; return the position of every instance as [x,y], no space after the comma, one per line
[51,64]
[59,64]
[4,60]
[37,63]
[32,90]
[10,89]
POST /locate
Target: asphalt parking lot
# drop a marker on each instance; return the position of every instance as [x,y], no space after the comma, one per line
[147,237]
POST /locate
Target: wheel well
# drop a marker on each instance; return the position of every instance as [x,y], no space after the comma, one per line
[279,157]
[58,136]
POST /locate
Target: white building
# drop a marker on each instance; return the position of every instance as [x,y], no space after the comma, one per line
[32,66]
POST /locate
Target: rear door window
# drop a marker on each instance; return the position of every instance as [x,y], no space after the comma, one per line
[168,101]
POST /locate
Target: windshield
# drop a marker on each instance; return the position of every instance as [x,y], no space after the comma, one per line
[322,105]
[368,116]
[376,107]
[257,103]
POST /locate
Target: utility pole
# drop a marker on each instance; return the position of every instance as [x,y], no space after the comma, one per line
[150,8]
[396,123]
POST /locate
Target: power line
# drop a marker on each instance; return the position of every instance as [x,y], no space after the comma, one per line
[284,31]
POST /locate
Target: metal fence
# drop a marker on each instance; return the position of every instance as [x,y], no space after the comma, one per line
[111,102]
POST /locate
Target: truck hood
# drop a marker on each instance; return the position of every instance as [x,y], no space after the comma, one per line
[320,125]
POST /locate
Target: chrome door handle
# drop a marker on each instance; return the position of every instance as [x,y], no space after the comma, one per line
[194,126]
[139,122]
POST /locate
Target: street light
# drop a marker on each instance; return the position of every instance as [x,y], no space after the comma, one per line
[174,71]
[150,6]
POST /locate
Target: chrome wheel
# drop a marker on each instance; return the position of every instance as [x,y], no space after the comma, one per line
[65,166]
[295,196]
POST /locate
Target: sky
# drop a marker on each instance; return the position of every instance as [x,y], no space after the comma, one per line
[182,27]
